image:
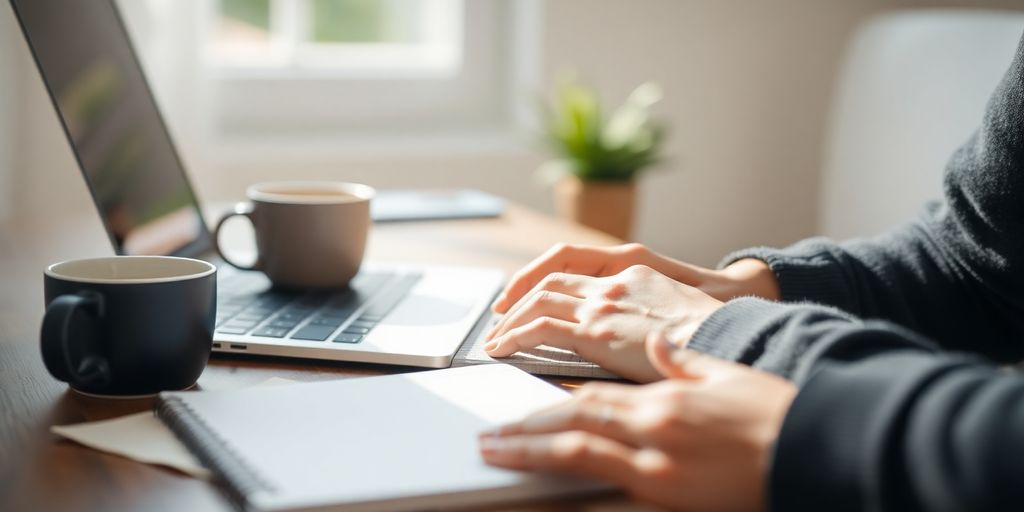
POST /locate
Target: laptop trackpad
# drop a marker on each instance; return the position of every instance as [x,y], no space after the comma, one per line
[427,310]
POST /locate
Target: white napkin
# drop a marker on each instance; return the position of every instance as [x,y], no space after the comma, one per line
[141,437]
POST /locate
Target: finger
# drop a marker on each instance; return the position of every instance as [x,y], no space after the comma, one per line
[659,352]
[531,274]
[541,331]
[606,392]
[566,284]
[575,453]
[543,303]
[560,258]
[675,362]
[601,419]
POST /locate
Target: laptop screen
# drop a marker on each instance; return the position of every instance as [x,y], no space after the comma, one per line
[115,129]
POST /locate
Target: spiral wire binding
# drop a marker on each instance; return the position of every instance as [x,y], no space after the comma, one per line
[231,473]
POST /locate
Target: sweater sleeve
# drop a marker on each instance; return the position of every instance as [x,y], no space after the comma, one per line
[957,273]
[884,422]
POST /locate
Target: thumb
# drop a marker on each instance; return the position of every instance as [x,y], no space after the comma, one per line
[671,360]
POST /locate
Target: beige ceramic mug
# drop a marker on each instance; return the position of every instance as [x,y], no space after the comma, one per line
[309,234]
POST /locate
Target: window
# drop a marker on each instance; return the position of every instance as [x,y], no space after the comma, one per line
[367,37]
[248,80]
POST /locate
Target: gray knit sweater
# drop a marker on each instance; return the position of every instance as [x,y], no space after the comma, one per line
[895,342]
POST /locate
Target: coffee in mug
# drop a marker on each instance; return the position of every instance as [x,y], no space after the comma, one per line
[309,234]
[128,325]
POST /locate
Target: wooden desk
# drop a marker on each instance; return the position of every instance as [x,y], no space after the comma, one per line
[39,472]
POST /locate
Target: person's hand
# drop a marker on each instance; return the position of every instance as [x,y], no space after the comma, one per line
[698,441]
[603,319]
[744,277]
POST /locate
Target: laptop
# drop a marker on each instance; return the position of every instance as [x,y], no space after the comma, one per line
[389,314]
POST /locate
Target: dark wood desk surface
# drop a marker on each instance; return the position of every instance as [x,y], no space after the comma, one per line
[40,472]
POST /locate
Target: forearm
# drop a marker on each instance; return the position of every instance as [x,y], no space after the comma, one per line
[771,336]
[747,277]
[905,277]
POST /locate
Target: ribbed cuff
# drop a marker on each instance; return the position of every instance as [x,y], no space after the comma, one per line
[807,272]
[739,329]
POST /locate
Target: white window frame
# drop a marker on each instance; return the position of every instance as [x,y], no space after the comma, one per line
[227,114]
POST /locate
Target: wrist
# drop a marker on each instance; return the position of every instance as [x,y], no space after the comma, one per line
[750,277]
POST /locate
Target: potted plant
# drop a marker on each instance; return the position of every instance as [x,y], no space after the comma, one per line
[599,160]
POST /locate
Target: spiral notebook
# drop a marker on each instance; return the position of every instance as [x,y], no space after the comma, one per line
[396,442]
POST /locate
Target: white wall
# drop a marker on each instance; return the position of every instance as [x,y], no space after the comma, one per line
[748,89]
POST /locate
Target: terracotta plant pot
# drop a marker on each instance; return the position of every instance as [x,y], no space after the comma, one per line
[603,205]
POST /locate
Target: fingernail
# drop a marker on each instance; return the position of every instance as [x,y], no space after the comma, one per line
[490,346]
[665,342]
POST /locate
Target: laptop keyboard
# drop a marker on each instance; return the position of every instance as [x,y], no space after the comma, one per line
[342,316]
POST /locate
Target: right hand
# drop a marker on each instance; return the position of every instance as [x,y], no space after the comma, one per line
[604,319]
[744,277]
[701,440]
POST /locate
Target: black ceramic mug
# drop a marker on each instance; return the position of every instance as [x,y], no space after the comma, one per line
[128,325]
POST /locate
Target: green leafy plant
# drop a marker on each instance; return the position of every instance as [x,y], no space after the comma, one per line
[594,149]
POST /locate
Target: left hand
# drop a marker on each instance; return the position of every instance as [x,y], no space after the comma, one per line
[698,441]
[603,319]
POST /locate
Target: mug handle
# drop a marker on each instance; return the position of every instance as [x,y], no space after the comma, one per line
[91,369]
[244,210]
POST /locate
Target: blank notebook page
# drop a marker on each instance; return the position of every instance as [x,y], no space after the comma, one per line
[404,441]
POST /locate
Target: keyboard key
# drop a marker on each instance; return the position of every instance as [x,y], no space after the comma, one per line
[356,330]
[348,338]
[251,316]
[297,315]
[337,311]
[359,322]
[394,294]
[232,330]
[271,332]
[245,324]
[327,320]
[313,333]
[261,311]
[284,324]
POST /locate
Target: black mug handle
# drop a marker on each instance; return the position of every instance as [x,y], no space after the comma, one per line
[74,318]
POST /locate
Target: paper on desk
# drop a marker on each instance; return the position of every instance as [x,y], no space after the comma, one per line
[141,437]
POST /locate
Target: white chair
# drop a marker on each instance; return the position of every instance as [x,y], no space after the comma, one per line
[912,89]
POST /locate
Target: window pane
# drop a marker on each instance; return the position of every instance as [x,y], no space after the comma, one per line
[253,13]
[243,33]
[244,22]
[364,21]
